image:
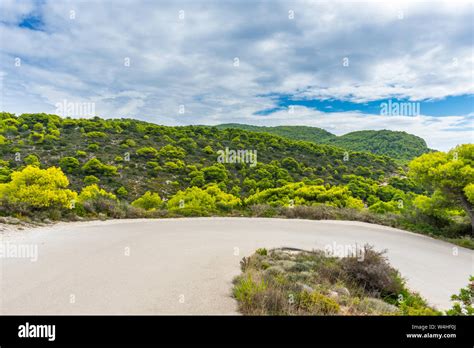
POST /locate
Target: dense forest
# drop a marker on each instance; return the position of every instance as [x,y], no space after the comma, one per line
[65,168]
[399,145]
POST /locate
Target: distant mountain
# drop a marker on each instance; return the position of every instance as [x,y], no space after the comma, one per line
[398,145]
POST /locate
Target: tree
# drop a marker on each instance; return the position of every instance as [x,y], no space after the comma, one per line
[69,164]
[91,179]
[94,192]
[464,301]
[122,191]
[149,201]
[171,152]
[35,188]
[192,198]
[301,194]
[95,166]
[148,152]
[32,160]
[451,175]
[215,173]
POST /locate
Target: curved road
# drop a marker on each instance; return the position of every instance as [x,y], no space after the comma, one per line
[185,266]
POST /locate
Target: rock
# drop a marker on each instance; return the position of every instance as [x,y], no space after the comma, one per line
[47,221]
[305,287]
[342,291]
[10,220]
[333,294]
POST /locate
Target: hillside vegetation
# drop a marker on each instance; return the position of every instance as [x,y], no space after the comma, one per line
[63,168]
[358,281]
[398,145]
[142,157]
[297,282]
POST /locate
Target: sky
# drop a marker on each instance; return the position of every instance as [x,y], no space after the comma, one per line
[331,64]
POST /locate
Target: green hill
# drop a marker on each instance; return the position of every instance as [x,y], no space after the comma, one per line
[399,145]
[313,134]
[142,156]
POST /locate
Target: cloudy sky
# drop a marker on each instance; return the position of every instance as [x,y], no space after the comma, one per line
[327,64]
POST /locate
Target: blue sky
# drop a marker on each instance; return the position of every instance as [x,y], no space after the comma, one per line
[327,64]
[451,105]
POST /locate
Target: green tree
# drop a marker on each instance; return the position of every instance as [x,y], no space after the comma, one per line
[148,152]
[464,301]
[122,191]
[69,164]
[192,198]
[149,201]
[95,166]
[450,175]
[35,188]
[91,179]
[94,192]
[32,160]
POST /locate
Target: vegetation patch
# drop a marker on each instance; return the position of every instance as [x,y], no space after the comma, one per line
[295,282]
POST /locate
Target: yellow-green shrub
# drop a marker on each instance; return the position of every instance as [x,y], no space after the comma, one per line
[149,201]
[35,188]
[92,192]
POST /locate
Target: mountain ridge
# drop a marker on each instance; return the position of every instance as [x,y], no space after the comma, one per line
[400,145]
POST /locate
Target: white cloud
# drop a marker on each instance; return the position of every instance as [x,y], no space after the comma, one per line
[410,49]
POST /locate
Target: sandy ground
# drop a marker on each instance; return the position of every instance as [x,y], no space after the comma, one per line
[185,266]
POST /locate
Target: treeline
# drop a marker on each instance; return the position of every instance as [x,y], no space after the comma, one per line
[399,145]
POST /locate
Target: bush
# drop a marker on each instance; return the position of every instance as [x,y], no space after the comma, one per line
[148,152]
[302,194]
[91,179]
[246,289]
[290,281]
[149,201]
[317,303]
[192,197]
[96,134]
[96,167]
[92,192]
[263,210]
[122,191]
[94,200]
[69,164]
[207,200]
[32,160]
[262,251]
[172,152]
[373,274]
[35,189]
[224,201]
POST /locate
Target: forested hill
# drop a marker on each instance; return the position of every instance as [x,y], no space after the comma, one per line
[141,156]
[399,145]
[313,134]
